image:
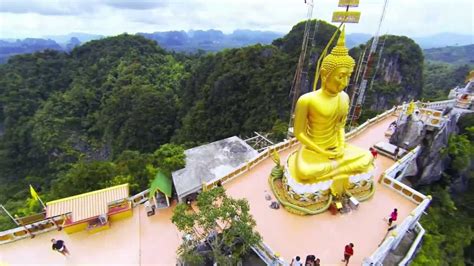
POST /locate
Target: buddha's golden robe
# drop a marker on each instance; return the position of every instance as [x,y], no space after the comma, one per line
[319,126]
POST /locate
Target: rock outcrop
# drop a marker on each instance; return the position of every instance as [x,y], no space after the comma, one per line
[395,72]
[431,160]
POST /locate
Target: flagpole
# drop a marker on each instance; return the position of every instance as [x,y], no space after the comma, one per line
[42,203]
[5,210]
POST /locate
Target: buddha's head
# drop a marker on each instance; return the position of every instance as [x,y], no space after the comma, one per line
[337,67]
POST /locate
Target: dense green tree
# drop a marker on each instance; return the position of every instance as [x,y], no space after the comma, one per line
[135,166]
[169,158]
[83,177]
[222,223]
[25,83]
[279,130]
[247,87]
[440,78]
[59,113]
[448,232]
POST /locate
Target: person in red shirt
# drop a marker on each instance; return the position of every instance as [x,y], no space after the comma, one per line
[393,217]
[348,252]
[374,152]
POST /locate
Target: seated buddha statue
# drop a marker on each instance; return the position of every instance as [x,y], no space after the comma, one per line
[320,117]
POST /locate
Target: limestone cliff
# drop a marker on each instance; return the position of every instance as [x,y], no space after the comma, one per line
[397,78]
[432,160]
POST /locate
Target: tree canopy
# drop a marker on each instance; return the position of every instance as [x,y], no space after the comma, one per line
[221,224]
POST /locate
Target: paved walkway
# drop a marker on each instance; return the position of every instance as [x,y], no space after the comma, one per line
[324,235]
[139,240]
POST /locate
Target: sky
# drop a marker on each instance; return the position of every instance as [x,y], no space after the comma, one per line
[38,18]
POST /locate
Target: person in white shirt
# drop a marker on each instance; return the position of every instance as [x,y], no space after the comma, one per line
[296,261]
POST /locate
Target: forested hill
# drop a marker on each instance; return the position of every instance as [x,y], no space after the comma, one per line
[451,54]
[68,117]
[399,76]
[239,91]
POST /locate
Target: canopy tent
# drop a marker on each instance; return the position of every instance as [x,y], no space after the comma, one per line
[163,184]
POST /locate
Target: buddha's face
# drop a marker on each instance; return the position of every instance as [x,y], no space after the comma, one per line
[337,80]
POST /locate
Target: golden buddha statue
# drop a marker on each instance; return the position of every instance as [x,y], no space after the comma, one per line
[320,117]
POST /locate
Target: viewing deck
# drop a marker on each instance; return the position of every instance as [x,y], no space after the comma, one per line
[323,235]
[142,240]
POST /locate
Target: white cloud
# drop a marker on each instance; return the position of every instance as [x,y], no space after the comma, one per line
[48,7]
[137,4]
[35,18]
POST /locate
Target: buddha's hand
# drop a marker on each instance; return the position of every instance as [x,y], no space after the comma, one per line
[339,152]
[334,153]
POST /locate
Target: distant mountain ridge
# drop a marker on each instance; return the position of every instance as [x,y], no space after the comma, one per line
[355,39]
[426,42]
[82,37]
[26,46]
[456,55]
[209,40]
[444,39]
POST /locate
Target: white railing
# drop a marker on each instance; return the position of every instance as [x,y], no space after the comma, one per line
[403,163]
[388,178]
[369,122]
[267,255]
[414,245]
[440,104]
[382,251]
[139,198]
[392,241]
[31,230]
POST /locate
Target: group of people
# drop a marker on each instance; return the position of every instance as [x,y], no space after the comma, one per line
[311,260]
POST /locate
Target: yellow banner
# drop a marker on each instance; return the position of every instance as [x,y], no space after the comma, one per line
[33,193]
[346,17]
[351,3]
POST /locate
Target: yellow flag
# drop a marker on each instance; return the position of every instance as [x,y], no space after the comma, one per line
[33,193]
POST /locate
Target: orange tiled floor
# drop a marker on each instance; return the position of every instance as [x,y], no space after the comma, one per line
[139,240]
[324,235]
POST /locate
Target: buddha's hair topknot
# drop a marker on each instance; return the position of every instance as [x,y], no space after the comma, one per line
[339,56]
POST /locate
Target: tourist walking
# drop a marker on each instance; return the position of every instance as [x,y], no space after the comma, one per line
[317,262]
[60,247]
[393,217]
[374,152]
[310,260]
[296,261]
[348,252]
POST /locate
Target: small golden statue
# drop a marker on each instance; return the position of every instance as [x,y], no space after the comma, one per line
[411,108]
[325,160]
